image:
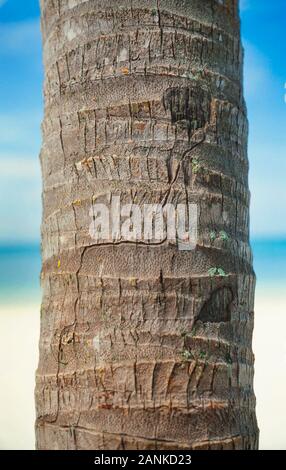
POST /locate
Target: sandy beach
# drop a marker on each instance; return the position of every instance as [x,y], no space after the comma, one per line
[19,328]
[269,344]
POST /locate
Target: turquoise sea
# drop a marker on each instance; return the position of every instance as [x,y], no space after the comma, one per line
[270,264]
[20,269]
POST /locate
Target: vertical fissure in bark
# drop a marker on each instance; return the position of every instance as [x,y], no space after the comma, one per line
[144,345]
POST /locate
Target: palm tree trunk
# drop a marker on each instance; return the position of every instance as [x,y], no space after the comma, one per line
[143,345]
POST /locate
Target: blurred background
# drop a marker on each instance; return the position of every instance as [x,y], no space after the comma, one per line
[263,31]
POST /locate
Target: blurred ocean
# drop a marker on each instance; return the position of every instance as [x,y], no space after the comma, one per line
[270,263]
[20,269]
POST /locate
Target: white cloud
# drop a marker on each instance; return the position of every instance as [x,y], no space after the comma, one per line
[267,185]
[244,5]
[267,210]
[20,37]
[257,73]
[18,167]
[20,198]
[20,129]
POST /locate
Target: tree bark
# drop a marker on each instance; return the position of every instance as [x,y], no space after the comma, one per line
[145,346]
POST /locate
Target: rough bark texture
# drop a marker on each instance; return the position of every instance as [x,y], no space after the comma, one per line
[141,347]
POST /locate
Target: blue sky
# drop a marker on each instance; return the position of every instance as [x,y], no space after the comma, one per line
[263,26]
